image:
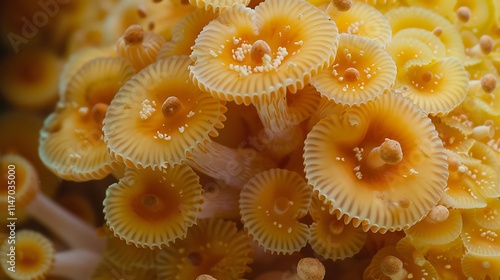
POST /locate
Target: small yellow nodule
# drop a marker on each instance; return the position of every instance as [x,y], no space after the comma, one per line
[389,152]
[438,214]
[488,83]
[463,14]
[142,12]
[427,76]
[134,34]
[351,74]
[392,267]
[342,5]
[171,106]
[437,31]
[404,203]
[483,47]
[258,50]
[486,44]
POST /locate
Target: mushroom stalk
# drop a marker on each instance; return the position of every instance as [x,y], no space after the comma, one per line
[220,202]
[274,115]
[68,227]
[233,167]
[76,264]
[389,152]
[483,131]
[273,112]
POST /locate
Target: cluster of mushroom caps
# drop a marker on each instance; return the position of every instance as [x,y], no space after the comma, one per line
[355,136]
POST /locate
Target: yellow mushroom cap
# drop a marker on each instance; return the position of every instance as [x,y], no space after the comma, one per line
[71,140]
[159,115]
[19,180]
[162,17]
[185,32]
[153,208]
[76,61]
[139,46]
[388,262]
[29,80]
[380,197]
[271,204]
[382,5]
[437,227]
[444,257]
[119,253]
[330,237]
[426,37]
[483,15]
[414,251]
[488,216]
[71,145]
[410,17]
[362,20]
[462,190]
[451,131]
[361,71]
[485,178]
[477,266]
[479,153]
[107,270]
[437,87]
[302,104]
[119,18]
[325,108]
[480,240]
[97,81]
[217,6]
[442,7]
[406,51]
[291,41]
[34,256]
[213,246]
